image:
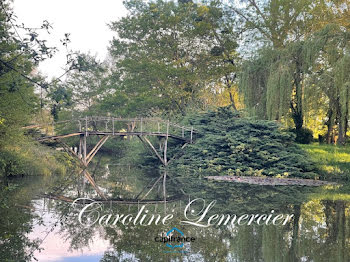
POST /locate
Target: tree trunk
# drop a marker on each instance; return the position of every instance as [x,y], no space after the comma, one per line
[341,134]
[341,235]
[329,124]
[295,236]
[297,108]
[341,129]
[232,101]
[346,122]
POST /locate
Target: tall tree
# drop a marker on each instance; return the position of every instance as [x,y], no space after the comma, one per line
[166,53]
[293,34]
[282,75]
[17,99]
[82,90]
[19,55]
[330,75]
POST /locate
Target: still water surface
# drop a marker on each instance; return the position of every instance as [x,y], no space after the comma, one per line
[38,221]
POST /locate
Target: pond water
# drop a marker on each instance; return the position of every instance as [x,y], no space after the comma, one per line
[39,221]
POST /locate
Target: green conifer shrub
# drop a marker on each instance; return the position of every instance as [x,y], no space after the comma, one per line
[229,144]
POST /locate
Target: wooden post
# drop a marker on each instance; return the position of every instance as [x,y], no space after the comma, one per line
[141,125]
[96,146]
[139,194]
[113,125]
[167,129]
[183,132]
[80,145]
[164,191]
[158,127]
[84,164]
[79,125]
[166,144]
[93,152]
[86,125]
[191,134]
[84,147]
[149,191]
[92,182]
[165,151]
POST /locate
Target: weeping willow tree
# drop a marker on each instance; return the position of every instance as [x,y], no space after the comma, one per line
[342,84]
[253,82]
[329,79]
[273,83]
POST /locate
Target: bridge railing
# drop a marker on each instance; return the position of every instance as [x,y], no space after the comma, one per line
[134,125]
[112,125]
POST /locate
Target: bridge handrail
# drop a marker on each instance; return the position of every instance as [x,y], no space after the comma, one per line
[117,119]
[92,118]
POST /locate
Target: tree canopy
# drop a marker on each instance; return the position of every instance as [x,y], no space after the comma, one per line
[167,53]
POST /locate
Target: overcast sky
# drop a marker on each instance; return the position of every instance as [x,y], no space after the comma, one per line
[85,20]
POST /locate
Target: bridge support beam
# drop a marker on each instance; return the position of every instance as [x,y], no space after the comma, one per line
[85,159]
[97,147]
[163,177]
[163,160]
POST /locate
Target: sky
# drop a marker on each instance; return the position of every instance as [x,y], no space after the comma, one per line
[85,20]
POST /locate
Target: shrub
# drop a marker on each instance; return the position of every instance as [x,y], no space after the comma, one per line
[303,135]
[229,144]
[32,159]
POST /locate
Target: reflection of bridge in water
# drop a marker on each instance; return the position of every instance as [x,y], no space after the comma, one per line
[107,127]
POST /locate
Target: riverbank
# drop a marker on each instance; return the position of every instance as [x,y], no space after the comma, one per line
[29,158]
[332,161]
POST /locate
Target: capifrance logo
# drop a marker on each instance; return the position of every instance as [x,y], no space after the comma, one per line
[174,239]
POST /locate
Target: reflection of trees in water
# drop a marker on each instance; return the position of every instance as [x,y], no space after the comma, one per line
[16,221]
[140,244]
[318,229]
[319,232]
[330,227]
[70,229]
[245,198]
[125,181]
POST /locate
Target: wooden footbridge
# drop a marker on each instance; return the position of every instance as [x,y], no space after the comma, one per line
[109,127]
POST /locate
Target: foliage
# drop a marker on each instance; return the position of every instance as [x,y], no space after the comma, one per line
[17,220]
[82,90]
[277,23]
[28,158]
[275,82]
[303,135]
[167,53]
[18,102]
[327,83]
[233,145]
[296,41]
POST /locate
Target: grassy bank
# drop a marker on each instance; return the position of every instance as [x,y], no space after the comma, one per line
[332,161]
[27,158]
